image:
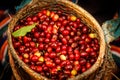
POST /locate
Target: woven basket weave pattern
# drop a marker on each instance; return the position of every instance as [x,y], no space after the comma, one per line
[68,7]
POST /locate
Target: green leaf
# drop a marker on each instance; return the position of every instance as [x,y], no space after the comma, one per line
[24,30]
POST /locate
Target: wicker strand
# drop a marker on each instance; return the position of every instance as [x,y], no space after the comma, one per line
[15,73]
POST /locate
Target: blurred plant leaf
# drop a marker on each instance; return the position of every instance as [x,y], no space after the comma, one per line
[24,30]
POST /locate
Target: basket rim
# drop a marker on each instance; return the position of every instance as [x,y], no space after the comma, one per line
[78,9]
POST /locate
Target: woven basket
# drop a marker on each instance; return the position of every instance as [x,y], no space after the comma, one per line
[70,8]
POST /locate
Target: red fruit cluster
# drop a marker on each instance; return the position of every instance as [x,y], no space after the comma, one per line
[60,46]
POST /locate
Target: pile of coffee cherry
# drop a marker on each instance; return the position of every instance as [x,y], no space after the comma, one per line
[59,47]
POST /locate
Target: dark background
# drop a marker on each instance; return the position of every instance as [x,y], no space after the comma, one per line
[102,10]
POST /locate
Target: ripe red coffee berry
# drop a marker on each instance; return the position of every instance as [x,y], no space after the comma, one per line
[34,58]
[41,46]
[64,41]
